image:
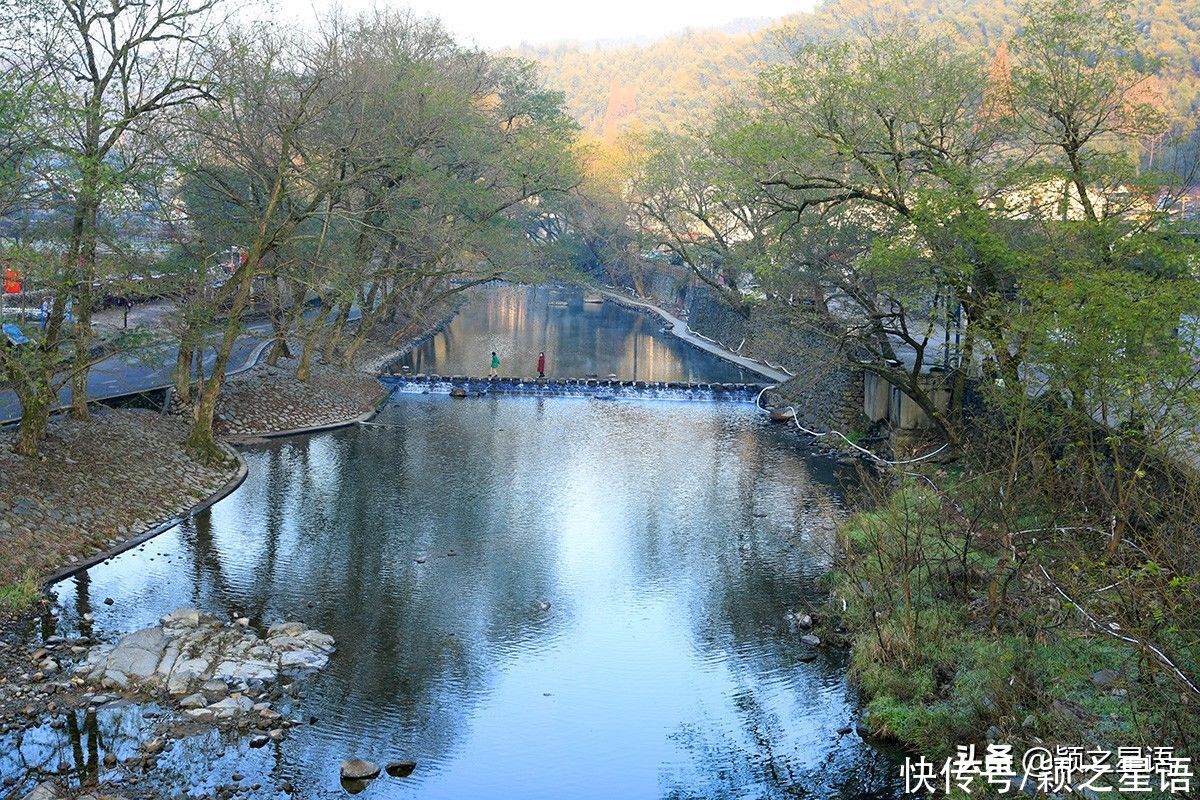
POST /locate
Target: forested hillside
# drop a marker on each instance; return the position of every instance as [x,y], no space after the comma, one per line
[675,79]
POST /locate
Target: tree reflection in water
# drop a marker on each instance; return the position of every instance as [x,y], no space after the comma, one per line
[667,538]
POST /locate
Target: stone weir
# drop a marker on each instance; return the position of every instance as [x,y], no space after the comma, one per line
[597,388]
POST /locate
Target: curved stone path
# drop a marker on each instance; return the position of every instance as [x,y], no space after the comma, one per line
[680,328]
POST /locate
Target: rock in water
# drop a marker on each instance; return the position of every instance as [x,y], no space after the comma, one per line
[354,787]
[808,638]
[193,653]
[46,790]
[184,618]
[357,769]
[458,391]
[401,769]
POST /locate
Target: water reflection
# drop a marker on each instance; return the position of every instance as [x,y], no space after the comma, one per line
[579,339]
[668,540]
[70,747]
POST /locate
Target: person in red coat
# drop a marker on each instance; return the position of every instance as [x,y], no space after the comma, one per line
[541,365]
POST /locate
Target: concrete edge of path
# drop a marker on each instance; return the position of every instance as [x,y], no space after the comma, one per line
[256,438]
[224,491]
[682,331]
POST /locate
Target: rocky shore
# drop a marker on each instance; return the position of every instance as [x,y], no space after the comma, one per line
[103,484]
[189,673]
[267,399]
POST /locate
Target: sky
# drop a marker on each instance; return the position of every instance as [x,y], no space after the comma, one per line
[495,24]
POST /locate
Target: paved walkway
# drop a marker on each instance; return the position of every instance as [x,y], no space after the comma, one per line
[680,328]
[144,370]
[152,368]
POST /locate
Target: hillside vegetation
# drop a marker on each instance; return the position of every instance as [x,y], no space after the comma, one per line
[676,80]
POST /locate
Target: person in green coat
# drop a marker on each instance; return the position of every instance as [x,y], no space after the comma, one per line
[495,373]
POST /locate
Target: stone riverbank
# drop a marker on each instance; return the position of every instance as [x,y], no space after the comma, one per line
[97,484]
[110,481]
[268,400]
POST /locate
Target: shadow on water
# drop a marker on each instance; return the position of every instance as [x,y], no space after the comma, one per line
[532,597]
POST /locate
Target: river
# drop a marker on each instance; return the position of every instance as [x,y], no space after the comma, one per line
[532,597]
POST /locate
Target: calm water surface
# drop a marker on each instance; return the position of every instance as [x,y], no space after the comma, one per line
[578,338]
[669,539]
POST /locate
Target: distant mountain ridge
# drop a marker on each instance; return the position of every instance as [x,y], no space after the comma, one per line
[677,79]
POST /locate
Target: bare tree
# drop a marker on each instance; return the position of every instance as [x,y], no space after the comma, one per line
[103,72]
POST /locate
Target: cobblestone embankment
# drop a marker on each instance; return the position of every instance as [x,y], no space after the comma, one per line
[97,484]
[267,400]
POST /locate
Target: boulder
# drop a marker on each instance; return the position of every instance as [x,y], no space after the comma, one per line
[299,647]
[196,700]
[186,675]
[810,639]
[192,655]
[46,790]
[137,654]
[214,689]
[400,769]
[231,707]
[357,769]
[184,618]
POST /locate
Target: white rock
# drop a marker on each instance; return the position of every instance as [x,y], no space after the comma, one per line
[231,707]
[196,700]
[183,618]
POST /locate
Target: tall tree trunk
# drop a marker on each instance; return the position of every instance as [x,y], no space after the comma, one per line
[279,348]
[352,350]
[35,416]
[83,249]
[280,323]
[201,441]
[304,368]
[183,370]
[34,383]
[335,334]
